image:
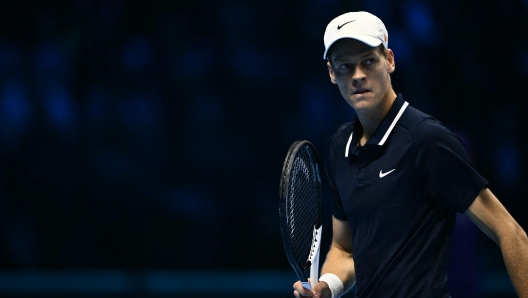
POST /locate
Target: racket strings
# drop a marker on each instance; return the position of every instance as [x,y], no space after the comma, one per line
[303,204]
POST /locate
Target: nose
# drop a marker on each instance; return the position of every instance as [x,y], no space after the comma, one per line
[359,75]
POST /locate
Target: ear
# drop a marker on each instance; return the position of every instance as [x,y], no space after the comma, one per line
[331,72]
[390,61]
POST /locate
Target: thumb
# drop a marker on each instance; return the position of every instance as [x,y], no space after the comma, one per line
[321,290]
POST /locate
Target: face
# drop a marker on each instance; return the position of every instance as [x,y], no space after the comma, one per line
[362,73]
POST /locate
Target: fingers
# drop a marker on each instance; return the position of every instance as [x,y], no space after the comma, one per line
[321,290]
[300,291]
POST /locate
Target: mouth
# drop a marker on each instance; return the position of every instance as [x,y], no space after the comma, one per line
[361,91]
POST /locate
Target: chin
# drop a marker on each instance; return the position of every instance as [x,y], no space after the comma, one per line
[360,104]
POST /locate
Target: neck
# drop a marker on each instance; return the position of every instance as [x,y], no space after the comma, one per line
[370,119]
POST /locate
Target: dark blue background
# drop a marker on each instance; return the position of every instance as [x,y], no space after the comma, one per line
[142,135]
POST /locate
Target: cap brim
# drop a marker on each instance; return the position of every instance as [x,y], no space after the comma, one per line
[369,40]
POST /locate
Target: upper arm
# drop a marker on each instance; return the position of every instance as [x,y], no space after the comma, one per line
[490,216]
[341,235]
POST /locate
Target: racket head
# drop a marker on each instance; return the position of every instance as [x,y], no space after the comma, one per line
[300,207]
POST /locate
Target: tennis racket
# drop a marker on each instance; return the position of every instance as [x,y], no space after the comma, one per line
[300,211]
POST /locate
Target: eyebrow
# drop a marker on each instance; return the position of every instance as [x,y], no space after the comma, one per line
[368,53]
[361,56]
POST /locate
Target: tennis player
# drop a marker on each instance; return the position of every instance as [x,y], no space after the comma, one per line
[398,178]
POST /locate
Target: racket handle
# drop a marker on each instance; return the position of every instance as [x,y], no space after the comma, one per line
[306,285]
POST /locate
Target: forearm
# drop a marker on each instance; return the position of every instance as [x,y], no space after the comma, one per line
[514,249]
[340,263]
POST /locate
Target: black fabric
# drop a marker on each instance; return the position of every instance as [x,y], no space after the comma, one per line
[400,200]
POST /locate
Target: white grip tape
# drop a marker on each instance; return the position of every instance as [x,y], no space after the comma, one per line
[334,283]
[306,285]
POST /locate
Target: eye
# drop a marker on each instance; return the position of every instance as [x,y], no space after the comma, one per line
[369,61]
[343,66]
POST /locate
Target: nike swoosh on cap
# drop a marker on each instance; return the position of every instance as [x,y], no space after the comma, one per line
[341,26]
[381,174]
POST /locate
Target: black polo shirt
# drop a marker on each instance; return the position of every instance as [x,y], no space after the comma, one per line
[399,192]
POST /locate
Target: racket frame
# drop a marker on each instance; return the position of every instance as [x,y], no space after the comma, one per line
[313,260]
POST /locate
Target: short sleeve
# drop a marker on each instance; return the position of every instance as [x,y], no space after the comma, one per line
[337,205]
[444,166]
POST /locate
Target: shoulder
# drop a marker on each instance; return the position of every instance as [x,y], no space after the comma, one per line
[430,134]
[413,118]
[340,137]
[336,143]
[423,127]
[342,133]
[432,130]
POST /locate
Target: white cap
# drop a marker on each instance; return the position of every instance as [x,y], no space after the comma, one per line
[360,25]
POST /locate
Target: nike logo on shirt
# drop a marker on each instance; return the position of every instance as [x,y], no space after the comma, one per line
[381,174]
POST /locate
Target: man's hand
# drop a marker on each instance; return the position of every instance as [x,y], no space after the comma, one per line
[321,290]
[338,261]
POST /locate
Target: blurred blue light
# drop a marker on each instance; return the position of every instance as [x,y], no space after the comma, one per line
[15,106]
[401,47]
[508,160]
[137,111]
[183,283]
[101,283]
[381,9]
[250,63]
[59,106]
[250,282]
[419,21]
[497,283]
[65,281]
[138,53]
[50,60]
[116,167]
[97,100]
[190,202]
[205,109]
[196,60]
[316,108]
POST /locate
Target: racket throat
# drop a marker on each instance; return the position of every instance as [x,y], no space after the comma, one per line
[306,266]
[316,244]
